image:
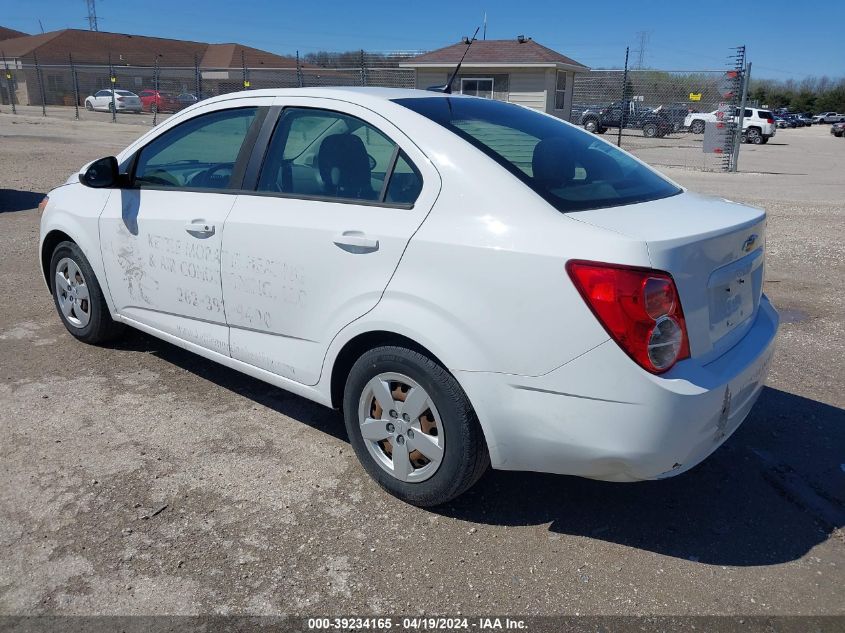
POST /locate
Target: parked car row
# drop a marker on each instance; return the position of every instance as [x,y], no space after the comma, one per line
[654,122]
[793,120]
[145,101]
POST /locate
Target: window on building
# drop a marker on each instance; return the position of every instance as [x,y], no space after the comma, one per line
[560,90]
[477,87]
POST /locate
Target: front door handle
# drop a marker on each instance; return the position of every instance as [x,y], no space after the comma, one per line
[200,228]
[356,242]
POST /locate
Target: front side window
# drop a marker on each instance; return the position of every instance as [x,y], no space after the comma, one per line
[568,167]
[326,154]
[200,153]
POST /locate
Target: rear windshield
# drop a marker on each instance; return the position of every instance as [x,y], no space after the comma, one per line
[124,93]
[570,168]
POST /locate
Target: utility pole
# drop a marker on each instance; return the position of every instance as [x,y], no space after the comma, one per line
[643,37]
[92,15]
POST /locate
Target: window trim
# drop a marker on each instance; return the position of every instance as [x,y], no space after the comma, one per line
[238,168]
[558,90]
[262,147]
[492,81]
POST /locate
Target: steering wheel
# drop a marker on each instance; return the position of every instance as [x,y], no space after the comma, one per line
[204,178]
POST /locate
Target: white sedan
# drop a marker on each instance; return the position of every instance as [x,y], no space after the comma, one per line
[471,282]
[121,101]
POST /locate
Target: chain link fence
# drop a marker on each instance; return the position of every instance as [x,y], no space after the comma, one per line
[158,88]
[649,112]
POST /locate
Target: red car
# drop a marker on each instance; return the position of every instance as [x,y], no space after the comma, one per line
[163,100]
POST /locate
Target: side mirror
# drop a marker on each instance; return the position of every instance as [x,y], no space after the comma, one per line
[101,174]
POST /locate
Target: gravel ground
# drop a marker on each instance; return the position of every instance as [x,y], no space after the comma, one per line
[140,479]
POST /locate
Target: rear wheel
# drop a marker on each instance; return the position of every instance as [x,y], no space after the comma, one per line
[754,136]
[592,125]
[650,130]
[78,297]
[697,127]
[412,426]
[88,106]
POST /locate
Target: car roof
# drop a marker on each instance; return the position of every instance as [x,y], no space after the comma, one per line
[352,93]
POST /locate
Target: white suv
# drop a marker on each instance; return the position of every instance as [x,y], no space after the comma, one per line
[758,125]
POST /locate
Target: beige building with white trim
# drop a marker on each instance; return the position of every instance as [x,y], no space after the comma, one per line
[518,71]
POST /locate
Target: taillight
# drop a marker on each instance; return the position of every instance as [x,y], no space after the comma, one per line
[770,120]
[638,307]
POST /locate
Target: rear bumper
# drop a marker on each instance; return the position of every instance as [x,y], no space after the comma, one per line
[601,416]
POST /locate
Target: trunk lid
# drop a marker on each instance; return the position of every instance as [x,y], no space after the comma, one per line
[713,248]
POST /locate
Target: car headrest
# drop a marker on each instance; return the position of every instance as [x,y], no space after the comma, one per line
[344,166]
[553,164]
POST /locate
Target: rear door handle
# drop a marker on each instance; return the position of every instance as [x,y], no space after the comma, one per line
[356,242]
[200,228]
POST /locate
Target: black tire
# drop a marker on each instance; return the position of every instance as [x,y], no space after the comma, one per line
[592,125]
[650,130]
[697,126]
[100,328]
[465,456]
[88,106]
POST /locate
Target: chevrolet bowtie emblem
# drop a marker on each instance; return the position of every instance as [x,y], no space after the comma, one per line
[748,244]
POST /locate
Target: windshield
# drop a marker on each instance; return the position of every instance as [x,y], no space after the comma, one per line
[571,169]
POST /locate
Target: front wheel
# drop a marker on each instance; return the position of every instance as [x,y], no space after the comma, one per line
[697,127]
[650,130]
[78,297]
[88,106]
[412,426]
[591,125]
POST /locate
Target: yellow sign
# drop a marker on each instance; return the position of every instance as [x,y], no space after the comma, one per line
[113,79]
[246,84]
[8,75]
[695,96]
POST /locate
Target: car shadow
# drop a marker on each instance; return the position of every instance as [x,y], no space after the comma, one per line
[775,490]
[316,416]
[16,200]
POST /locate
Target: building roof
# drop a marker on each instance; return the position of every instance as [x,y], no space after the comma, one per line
[7,33]
[515,52]
[95,47]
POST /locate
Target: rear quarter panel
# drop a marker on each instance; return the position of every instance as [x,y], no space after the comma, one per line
[483,283]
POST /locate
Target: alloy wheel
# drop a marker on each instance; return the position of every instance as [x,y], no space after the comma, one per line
[72,293]
[401,427]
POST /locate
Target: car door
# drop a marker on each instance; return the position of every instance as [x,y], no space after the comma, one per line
[340,193]
[161,235]
[102,99]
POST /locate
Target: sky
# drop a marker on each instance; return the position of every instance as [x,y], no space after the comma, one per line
[782,41]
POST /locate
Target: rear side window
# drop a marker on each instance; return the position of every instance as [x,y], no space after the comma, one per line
[765,114]
[568,167]
[199,153]
[325,154]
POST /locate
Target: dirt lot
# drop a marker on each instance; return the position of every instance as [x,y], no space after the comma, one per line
[266,510]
